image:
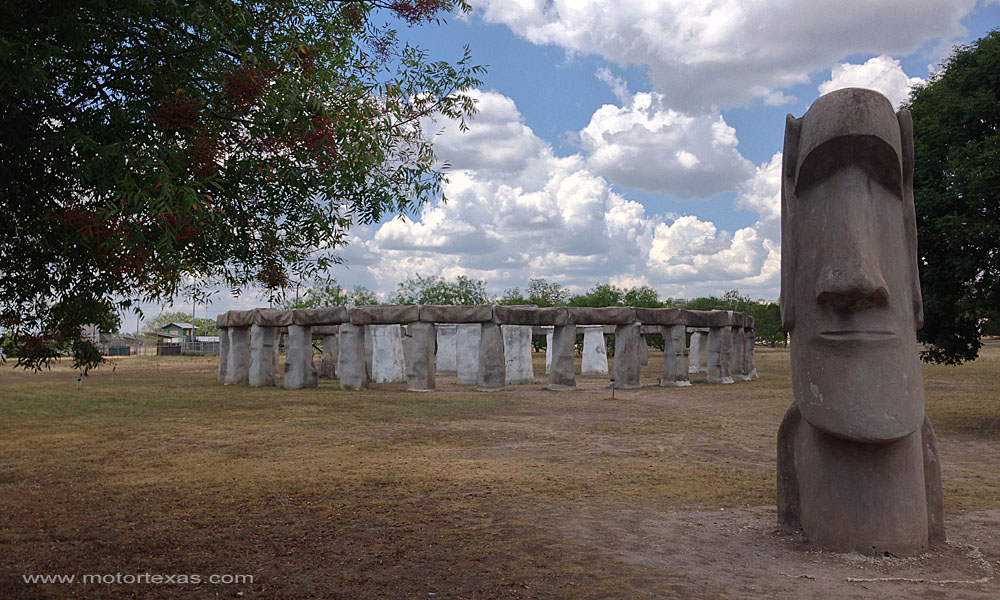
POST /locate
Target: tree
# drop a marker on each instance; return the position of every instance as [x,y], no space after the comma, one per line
[437,290]
[767,315]
[542,293]
[956,133]
[602,294]
[331,293]
[149,144]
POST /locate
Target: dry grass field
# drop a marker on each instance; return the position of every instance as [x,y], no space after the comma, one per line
[153,467]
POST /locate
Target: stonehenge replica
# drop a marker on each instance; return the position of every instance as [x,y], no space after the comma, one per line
[486,346]
[858,464]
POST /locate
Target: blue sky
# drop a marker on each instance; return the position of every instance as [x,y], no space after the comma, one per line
[637,143]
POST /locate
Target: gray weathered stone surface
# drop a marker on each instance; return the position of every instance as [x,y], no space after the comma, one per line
[271,317]
[223,352]
[643,351]
[490,377]
[240,318]
[418,352]
[467,358]
[595,352]
[456,314]
[222,320]
[351,368]
[608,315]
[300,371]
[519,315]
[626,366]
[369,350]
[675,356]
[261,372]
[518,369]
[238,367]
[548,351]
[661,316]
[858,466]
[718,358]
[693,352]
[738,369]
[333,315]
[447,349]
[328,361]
[750,354]
[561,370]
[387,354]
[384,315]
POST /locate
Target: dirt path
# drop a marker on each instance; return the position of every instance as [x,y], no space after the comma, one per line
[659,493]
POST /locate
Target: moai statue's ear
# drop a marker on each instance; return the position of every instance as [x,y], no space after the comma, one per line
[789,158]
[909,212]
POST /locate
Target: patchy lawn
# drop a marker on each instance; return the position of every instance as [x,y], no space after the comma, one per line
[153,467]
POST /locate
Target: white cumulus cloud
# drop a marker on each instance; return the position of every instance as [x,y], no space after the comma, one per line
[881,73]
[725,53]
[648,146]
[512,217]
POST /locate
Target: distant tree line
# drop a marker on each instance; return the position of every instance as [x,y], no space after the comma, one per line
[540,292]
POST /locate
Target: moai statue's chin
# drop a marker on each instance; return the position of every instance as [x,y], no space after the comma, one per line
[858,465]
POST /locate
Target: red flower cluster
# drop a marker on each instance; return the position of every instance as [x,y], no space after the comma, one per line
[244,86]
[176,113]
[416,11]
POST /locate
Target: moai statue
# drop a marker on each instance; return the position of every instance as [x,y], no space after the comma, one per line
[858,467]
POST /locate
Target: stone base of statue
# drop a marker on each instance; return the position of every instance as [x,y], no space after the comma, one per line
[846,496]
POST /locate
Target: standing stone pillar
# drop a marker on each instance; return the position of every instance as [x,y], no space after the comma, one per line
[300,372]
[418,354]
[261,372]
[387,354]
[738,372]
[703,352]
[351,366]
[328,362]
[595,351]
[490,376]
[750,355]
[223,353]
[238,369]
[675,356]
[548,352]
[694,352]
[626,369]
[561,372]
[467,359]
[369,350]
[279,336]
[517,354]
[447,349]
[643,353]
[718,358]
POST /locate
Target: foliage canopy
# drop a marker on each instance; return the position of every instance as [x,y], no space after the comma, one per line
[148,145]
[956,126]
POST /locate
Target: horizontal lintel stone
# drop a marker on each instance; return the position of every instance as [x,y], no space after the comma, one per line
[432,313]
[384,315]
[240,318]
[331,315]
[607,315]
[271,317]
[661,316]
[515,315]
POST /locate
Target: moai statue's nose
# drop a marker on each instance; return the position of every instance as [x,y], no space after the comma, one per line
[852,281]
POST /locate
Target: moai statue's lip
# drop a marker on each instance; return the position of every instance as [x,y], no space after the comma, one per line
[851,335]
